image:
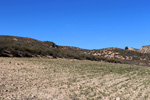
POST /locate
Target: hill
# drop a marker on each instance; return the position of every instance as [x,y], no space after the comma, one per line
[13,46]
[145,49]
[125,56]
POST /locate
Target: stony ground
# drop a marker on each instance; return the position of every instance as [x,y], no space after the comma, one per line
[63,79]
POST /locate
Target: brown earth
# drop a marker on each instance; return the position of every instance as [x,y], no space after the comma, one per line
[64,79]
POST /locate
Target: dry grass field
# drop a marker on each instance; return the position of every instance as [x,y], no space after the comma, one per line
[65,79]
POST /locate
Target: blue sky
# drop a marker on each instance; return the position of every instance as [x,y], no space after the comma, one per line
[89,24]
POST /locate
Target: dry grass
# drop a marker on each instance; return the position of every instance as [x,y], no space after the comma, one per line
[63,79]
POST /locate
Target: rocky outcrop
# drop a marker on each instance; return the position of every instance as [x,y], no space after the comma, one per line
[50,44]
[132,49]
[145,49]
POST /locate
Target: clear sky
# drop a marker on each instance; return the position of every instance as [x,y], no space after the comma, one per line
[89,24]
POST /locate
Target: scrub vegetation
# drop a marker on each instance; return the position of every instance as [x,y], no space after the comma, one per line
[12,46]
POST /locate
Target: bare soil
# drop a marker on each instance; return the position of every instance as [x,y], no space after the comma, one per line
[64,79]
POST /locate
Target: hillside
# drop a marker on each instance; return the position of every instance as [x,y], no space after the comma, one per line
[145,49]
[22,47]
[12,46]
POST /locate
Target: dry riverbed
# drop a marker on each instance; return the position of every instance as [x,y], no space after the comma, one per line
[64,79]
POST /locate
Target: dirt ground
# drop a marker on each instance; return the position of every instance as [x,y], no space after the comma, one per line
[64,79]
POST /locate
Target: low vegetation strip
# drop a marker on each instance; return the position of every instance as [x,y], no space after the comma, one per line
[70,79]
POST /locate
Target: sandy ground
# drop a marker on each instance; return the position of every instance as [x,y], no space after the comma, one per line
[63,79]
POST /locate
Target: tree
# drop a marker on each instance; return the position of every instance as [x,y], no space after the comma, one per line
[126,48]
